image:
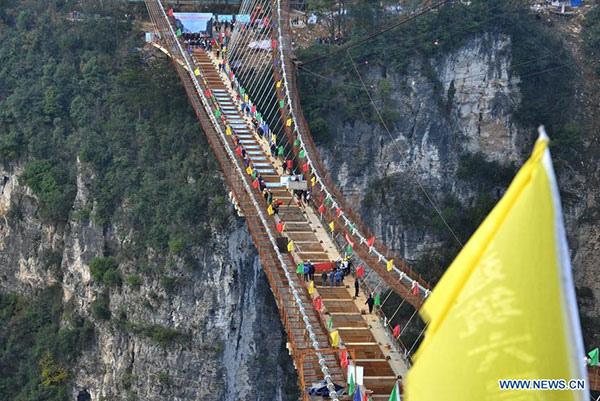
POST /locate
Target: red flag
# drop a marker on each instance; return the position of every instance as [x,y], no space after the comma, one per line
[365,397]
[360,271]
[415,288]
[289,164]
[274,44]
[349,241]
[344,359]
[280,227]
[322,208]
[255,183]
[318,303]
[305,167]
[265,21]
[338,212]
[230,74]
[238,150]
[321,197]
[371,241]
[171,12]
[207,93]
[397,330]
[253,109]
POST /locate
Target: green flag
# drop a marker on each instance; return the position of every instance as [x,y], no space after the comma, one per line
[348,249]
[377,300]
[300,268]
[395,396]
[178,32]
[593,354]
[297,142]
[281,103]
[330,322]
[253,173]
[242,91]
[280,150]
[352,228]
[258,116]
[351,386]
[217,113]
[327,201]
[302,154]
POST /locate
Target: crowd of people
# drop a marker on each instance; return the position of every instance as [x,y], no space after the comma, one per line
[326,40]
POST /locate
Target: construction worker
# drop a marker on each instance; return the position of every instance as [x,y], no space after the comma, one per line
[324,278]
[370,302]
[356,287]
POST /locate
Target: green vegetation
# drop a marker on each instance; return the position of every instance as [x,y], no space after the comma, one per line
[35,351]
[163,378]
[105,270]
[83,89]
[134,281]
[101,308]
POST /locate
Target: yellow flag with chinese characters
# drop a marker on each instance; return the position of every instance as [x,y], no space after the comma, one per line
[270,210]
[228,130]
[313,180]
[390,264]
[289,122]
[197,71]
[290,246]
[278,84]
[311,287]
[249,170]
[505,309]
[332,226]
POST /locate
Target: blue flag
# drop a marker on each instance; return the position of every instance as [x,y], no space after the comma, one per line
[357,396]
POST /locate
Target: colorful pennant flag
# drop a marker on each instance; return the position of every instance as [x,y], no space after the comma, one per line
[330,322]
[338,212]
[377,300]
[396,331]
[351,386]
[274,44]
[312,181]
[352,228]
[331,226]
[217,113]
[178,32]
[390,265]
[270,210]
[290,246]
[318,303]
[305,167]
[311,287]
[348,250]
[170,12]
[297,142]
[300,268]
[335,338]
[349,241]
[415,289]
[249,170]
[246,98]
[327,200]
[255,183]
[360,271]
[197,71]
[238,150]
[278,84]
[395,396]
[253,109]
[357,396]
[321,208]
[370,242]
[228,130]
[207,92]
[280,227]
[516,272]
[281,104]
[302,153]
[593,354]
[289,122]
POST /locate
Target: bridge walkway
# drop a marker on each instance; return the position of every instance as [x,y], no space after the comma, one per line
[362,334]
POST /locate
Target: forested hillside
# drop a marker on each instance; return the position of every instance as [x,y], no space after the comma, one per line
[113,216]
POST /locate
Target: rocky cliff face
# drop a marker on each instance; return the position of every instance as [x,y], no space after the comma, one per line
[457,104]
[229,345]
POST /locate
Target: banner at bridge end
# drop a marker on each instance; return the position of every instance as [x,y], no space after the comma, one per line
[505,309]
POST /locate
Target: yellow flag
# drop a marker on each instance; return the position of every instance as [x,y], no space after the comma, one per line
[274,138]
[197,71]
[505,308]
[390,264]
[289,122]
[278,84]
[249,170]
[331,226]
[290,246]
[228,130]
[270,210]
[311,287]
[335,338]
[312,181]
[246,98]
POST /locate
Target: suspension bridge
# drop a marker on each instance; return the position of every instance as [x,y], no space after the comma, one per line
[247,103]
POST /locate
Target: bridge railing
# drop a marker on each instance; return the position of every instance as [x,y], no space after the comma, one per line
[348,222]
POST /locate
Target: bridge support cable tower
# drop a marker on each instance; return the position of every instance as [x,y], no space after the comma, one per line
[301,323]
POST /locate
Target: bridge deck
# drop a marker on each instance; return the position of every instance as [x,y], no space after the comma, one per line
[368,339]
